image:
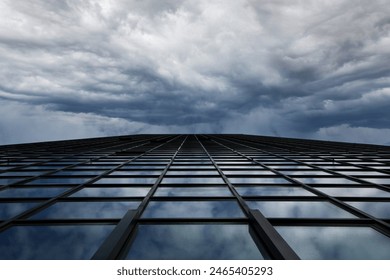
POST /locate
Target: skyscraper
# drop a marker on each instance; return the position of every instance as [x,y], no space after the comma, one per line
[194,197]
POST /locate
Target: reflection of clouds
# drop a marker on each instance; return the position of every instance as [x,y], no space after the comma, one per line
[134,180]
[297,166]
[384,181]
[277,191]
[358,192]
[52,242]
[78,172]
[192,180]
[58,181]
[9,210]
[377,209]
[87,210]
[257,180]
[136,172]
[6,181]
[193,209]
[208,241]
[191,172]
[336,242]
[111,192]
[32,192]
[299,209]
[193,191]
[201,167]
[308,172]
[245,166]
[358,172]
[22,173]
[328,180]
[245,172]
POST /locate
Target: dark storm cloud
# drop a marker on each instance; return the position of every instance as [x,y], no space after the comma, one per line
[86,68]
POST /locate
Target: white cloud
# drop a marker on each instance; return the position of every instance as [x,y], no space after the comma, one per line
[265,67]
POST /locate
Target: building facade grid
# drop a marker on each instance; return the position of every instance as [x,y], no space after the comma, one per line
[194,197]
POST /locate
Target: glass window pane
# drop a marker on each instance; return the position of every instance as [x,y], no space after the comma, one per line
[32,192]
[248,172]
[22,173]
[136,172]
[87,210]
[9,210]
[357,192]
[112,192]
[276,191]
[193,191]
[331,243]
[254,180]
[135,180]
[52,242]
[199,242]
[328,180]
[7,181]
[193,209]
[382,181]
[192,173]
[299,209]
[79,172]
[376,209]
[192,180]
[58,181]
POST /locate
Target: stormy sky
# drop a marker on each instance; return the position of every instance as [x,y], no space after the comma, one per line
[307,69]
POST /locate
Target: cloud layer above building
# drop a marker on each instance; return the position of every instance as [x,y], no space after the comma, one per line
[310,69]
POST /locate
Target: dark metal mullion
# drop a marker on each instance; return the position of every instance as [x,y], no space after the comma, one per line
[383,226]
[114,245]
[52,200]
[276,246]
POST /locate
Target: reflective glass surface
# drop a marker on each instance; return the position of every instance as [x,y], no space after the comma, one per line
[136,172]
[193,191]
[58,181]
[192,180]
[32,192]
[197,241]
[299,209]
[329,180]
[192,209]
[382,181]
[9,210]
[22,173]
[254,180]
[357,192]
[333,243]
[248,172]
[7,181]
[86,210]
[376,209]
[276,191]
[126,181]
[112,192]
[52,242]
[191,172]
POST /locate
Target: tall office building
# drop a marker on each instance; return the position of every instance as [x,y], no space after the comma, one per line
[194,197]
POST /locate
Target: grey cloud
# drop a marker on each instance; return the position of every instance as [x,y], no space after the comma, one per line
[261,67]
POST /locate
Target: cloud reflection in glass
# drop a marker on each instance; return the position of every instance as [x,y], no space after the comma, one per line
[52,242]
[193,241]
[333,243]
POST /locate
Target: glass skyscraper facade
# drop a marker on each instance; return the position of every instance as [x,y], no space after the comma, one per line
[194,197]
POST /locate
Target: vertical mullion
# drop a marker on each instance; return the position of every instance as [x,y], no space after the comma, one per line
[114,245]
[276,246]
